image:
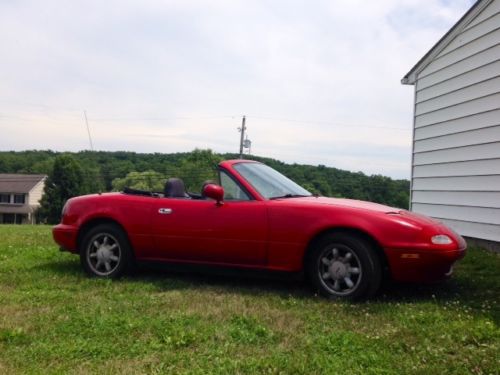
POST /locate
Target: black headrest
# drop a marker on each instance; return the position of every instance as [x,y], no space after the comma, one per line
[174,188]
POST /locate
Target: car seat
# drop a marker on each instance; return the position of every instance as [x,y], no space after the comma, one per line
[174,188]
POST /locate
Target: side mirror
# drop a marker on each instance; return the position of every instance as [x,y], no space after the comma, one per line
[215,192]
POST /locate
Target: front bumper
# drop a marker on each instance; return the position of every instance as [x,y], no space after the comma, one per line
[416,265]
[66,237]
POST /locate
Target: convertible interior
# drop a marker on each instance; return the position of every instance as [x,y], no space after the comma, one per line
[174,188]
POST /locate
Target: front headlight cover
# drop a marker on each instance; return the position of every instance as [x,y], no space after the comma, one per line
[441,239]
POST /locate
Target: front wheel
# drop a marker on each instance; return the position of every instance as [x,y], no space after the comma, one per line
[105,252]
[343,265]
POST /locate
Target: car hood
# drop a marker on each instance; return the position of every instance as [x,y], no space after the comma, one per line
[397,213]
[351,203]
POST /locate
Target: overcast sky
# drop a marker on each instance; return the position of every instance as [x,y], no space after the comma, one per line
[319,81]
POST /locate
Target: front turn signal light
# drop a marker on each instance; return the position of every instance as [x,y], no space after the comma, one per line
[441,239]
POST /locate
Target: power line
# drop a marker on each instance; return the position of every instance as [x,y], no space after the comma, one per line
[167,118]
[115,119]
[177,118]
[327,123]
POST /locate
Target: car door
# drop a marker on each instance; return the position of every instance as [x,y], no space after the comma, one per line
[199,230]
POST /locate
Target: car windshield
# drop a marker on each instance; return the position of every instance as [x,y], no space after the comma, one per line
[270,183]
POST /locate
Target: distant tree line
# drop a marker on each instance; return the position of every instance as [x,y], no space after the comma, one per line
[84,172]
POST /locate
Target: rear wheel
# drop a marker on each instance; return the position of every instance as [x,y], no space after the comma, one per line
[343,265]
[105,252]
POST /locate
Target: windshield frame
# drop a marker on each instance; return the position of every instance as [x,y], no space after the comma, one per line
[268,182]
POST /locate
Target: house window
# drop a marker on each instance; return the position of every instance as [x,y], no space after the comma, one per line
[4,198]
[19,198]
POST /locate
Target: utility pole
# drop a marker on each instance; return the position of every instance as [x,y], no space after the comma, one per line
[88,130]
[242,130]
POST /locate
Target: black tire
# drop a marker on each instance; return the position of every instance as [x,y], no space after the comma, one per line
[105,252]
[336,274]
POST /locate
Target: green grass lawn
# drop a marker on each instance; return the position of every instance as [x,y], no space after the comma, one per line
[53,319]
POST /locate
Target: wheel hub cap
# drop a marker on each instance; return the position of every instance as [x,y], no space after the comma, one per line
[337,270]
[103,254]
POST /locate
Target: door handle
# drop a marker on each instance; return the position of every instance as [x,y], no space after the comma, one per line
[165,211]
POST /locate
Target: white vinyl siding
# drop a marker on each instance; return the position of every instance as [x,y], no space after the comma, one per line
[473,152]
[463,183]
[477,121]
[456,144]
[470,34]
[472,107]
[462,168]
[456,161]
[476,230]
[35,195]
[478,90]
[459,198]
[483,215]
[479,45]
[490,11]
[458,82]
[483,58]
[467,138]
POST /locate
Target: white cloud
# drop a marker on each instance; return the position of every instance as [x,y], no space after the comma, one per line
[170,76]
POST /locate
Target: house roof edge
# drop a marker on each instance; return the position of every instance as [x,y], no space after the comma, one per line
[411,76]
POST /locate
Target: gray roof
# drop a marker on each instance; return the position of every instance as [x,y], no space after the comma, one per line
[19,183]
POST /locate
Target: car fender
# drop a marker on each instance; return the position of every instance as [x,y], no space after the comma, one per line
[132,215]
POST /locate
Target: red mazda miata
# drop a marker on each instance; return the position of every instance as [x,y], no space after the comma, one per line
[257,218]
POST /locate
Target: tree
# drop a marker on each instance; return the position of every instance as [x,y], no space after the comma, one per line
[197,167]
[100,168]
[66,180]
[148,180]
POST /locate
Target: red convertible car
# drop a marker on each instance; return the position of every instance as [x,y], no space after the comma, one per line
[257,218]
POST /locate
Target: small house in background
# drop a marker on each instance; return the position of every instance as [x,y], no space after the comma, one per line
[456,138]
[20,196]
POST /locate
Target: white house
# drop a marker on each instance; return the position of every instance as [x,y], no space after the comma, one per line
[456,135]
[20,196]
